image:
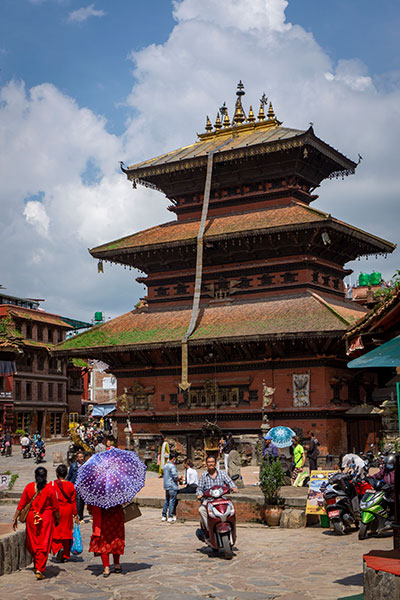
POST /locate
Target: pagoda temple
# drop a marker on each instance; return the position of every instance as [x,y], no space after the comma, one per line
[245,311]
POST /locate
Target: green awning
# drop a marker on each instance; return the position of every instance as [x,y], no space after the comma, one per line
[387,355]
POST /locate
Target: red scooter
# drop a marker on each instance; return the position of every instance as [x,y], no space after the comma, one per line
[221,534]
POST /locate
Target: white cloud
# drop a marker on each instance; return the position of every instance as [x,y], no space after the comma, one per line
[49,143]
[82,14]
[35,213]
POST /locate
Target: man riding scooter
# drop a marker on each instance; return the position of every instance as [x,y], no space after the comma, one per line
[213,484]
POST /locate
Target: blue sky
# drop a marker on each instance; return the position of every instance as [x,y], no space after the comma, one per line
[87,60]
[86,84]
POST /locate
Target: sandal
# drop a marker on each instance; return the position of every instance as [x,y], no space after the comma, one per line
[118,569]
[106,573]
[40,575]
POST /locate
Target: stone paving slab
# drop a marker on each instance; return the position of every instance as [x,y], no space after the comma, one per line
[166,562]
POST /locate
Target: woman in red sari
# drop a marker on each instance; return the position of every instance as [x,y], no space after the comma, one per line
[66,496]
[42,516]
[108,536]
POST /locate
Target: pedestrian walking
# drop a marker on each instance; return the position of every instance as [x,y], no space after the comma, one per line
[191,478]
[72,475]
[108,536]
[313,452]
[106,482]
[299,457]
[234,463]
[228,445]
[66,497]
[100,446]
[40,500]
[170,476]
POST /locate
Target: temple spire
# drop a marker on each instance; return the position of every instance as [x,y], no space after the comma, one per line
[208,124]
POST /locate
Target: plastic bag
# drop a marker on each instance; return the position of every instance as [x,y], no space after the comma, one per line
[76,547]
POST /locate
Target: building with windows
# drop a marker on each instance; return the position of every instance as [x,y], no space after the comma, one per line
[246,309]
[35,387]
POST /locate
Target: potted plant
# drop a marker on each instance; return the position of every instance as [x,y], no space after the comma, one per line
[17,435]
[271,480]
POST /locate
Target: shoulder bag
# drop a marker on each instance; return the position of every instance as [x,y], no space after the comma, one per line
[23,515]
[131,511]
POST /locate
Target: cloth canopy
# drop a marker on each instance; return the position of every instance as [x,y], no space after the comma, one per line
[101,410]
[386,355]
[7,367]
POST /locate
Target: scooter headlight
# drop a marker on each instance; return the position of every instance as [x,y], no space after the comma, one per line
[210,510]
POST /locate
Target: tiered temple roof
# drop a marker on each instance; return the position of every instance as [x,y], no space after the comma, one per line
[299,316]
[294,216]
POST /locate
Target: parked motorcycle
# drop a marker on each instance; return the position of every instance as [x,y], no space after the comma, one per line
[376,510]
[221,533]
[342,500]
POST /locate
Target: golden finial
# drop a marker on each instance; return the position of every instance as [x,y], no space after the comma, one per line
[239,115]
[261,113]
[226,121]
[263,102]
[208,124]
[270,113]
[251,118]
[218,123]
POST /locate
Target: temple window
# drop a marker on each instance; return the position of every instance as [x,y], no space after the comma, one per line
[289,277]
[173,398]
[266,279]
[161,291]
[181,288]
[315,277]
[336,283]
[60,335]
[326,279]
[244,282]
[40,334]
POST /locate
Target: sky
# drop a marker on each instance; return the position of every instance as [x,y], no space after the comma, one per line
[85,84]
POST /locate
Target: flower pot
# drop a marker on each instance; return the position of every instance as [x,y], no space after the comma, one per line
[271,515]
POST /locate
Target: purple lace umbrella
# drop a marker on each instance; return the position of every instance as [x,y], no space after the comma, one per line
[110,478]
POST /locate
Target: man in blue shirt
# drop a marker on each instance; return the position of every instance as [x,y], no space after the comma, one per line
[170,476]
